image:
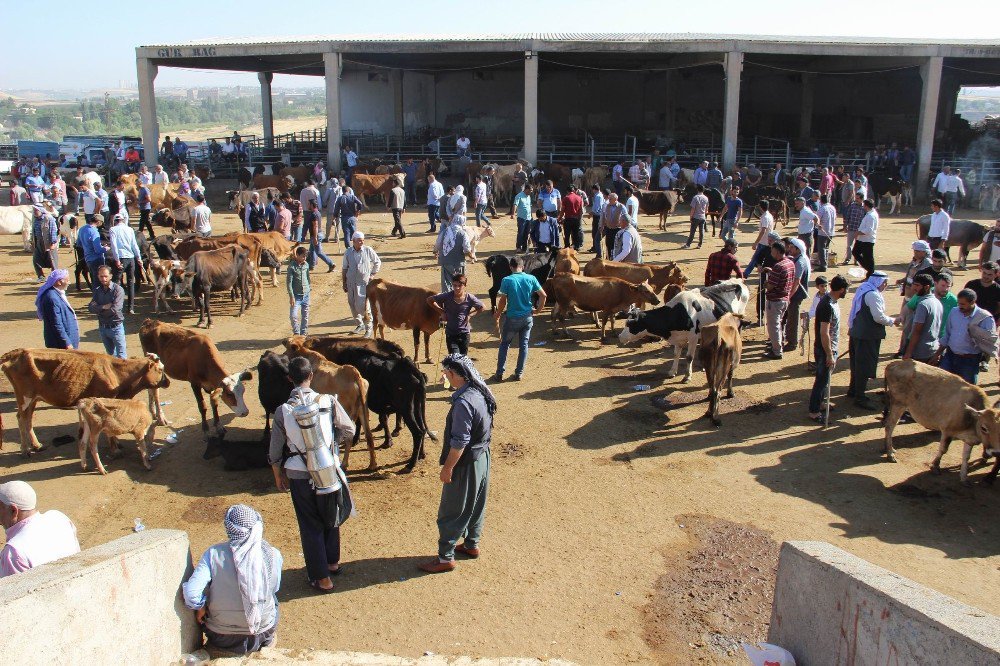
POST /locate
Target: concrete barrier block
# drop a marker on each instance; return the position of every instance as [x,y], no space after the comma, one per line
[116,603]
[831,607]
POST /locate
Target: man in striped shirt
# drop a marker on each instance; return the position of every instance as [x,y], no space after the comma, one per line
[854,212]
[780,280]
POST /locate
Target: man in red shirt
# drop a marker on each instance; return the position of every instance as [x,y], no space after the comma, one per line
[722,264]
[780,280]
[571,214]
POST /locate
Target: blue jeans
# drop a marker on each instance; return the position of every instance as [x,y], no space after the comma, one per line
[113,338]
[520,326]
[523,227]
[966,368]
[950,200]
[348,226]
[758,256]
[298,314]
[316,251]
[729,229]
[432,214]
[481,215]
[297,233]
[93,267]
[906,172]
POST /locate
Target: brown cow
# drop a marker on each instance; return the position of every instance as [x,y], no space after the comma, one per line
[604,295]
[567,261]
[298,174]
[225,269]
[63,377]
[114,418]
[192,357]
[657,276]
[399,306]
[721,347]
[368,185]
[937,400]
[345,382]
[281,183]
[658,202]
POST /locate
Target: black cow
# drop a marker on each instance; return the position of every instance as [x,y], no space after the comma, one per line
[498,267]
[753,196]
[395,386]
[965,234]
[716,202]
[217,270]
[658,202]
[238,456]
[273,385]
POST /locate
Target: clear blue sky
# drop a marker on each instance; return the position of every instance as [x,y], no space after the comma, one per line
[108,32]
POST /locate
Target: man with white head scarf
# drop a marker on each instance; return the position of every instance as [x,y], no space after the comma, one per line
[233,589]
[465,461]
[452,247]
[360,264]
[33,538]
[458,203]
[866,326]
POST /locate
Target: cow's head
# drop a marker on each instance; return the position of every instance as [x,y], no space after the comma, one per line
[156,376]
[634,330]
[988,426]
[232,391]
[268,259]
[232,195]
[646,293]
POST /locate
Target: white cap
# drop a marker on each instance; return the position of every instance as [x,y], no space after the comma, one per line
[357,236]
[18,494]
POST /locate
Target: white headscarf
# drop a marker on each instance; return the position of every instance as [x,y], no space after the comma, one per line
[451,233]
[873,283]
[252,555]
[457,202]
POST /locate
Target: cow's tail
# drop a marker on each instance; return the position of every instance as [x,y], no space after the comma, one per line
[421,407]
[488,266]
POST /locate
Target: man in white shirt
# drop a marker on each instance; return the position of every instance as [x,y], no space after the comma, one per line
[462,145]
[91,202]
[632,206]
[807,223]
[351,159]
[481,201]
[33,538]
[941,180]
[957,185]
[202,217]
[940,224]
[435,191]
[229,150]
[864,243]
[824,231]
[145,177]
[666,177]
[160,176]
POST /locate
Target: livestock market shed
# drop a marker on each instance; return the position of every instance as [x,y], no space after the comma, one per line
[596,97]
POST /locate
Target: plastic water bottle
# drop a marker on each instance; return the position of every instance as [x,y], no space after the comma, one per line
[138,526]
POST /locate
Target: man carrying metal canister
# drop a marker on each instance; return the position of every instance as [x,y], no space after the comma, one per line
[305,439]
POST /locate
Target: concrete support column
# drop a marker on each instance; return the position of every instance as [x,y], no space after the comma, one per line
[531,106]
[332,69]
[806,107]
[396,78]
[930,72]
[670,113]
[266,109]
[146,75]
[730,125]
[950,91]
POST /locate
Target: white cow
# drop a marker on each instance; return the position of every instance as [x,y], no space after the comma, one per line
[17,220]
[681,319]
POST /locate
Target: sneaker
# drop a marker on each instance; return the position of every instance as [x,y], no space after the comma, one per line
[686,246]
[368,332]
[515,378]
[131,311]
[360,328]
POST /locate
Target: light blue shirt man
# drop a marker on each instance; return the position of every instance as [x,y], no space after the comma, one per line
[123,242]
[956,330]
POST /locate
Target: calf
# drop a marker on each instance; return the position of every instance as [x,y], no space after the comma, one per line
[238,456]
[658,277]
[476,234]
[939,400]
[605,296]
[681,319]
[721,347]
[113,418]
[217,270]
[163,274]
[399,306]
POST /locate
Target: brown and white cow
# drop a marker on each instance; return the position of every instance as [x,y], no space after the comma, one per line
[939,400]
[603,295]
[114,418]
[190,356]
[164,272]
[658,276]
[63,377]
[400,306]
[721,348]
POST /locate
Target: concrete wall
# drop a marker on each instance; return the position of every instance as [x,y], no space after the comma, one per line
[114,604]
[831,607]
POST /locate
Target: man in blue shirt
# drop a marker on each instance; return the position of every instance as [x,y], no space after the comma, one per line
[126,255]
[35,185]
[731,214]
[959,352]
[516,291]
[89,239]
[522,207]
[549,199]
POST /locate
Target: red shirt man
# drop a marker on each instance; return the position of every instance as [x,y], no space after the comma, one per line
[722,265]
[572,205]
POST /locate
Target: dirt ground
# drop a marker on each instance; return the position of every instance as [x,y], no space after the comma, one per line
[615,533]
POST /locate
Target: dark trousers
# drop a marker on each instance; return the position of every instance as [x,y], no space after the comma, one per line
[432,215]
[411,191]
[144,223]
[609,242]
[823,250]
[240,643]
[457,343]
[572,232]
[93,267]
[966,367]
[523,227]
[934,242]
[320,543]
[699,226]
[397,222]
[595,235]
[807,239]
[822,382]
[864,252]
[791,321]
[128,271]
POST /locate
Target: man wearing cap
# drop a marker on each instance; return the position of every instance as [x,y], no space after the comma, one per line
[359,265]
[722,264]
[125,255]
[44,241]
[33,538]
[920,265]
[800,291]
[921,340]
[940,224]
